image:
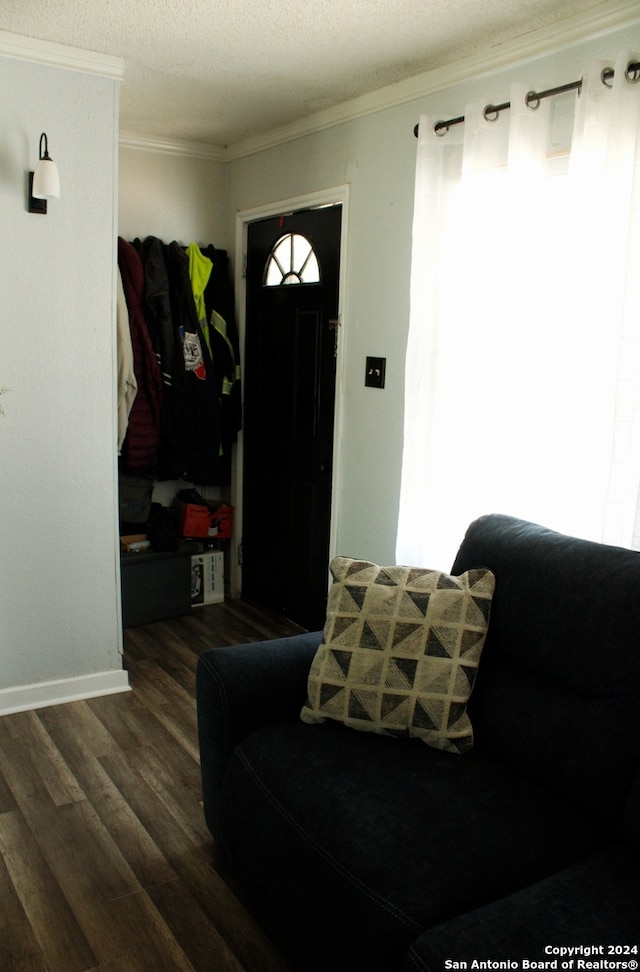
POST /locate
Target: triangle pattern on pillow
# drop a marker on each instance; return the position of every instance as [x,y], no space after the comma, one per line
[401,673]
[375,634]
[477,611]
[408,638]
[332,698]
[352,599]
[414,604]
[394,711]
[422,718]
[385,577]
[346,630]
[337,663]
[439,642]
[363,706]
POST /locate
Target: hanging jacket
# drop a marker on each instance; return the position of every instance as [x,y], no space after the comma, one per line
[195,384]
[219,297]
[157,303]
[140,446]
[127,384]
[225,346]
[199,272]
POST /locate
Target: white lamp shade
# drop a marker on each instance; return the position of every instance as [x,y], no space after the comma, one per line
[46,182]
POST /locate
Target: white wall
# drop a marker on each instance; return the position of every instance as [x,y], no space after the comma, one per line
[375,154]
[171,196]
[59,594]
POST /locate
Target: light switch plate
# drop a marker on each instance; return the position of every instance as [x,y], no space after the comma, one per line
[374,372]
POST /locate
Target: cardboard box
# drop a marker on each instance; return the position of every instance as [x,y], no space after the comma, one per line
[134,542]
[207,578]
[194,521]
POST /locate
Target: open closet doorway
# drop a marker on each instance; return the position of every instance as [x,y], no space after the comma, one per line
[291,340]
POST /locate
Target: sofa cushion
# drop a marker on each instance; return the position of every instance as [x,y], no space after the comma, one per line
[558,692]
[400,651]
[358,844]
[586,909]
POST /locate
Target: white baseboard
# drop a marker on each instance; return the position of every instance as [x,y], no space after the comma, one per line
[37,696]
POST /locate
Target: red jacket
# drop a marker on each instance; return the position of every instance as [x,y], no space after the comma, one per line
[140,447]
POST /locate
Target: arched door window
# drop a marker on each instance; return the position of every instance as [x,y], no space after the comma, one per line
[292,261]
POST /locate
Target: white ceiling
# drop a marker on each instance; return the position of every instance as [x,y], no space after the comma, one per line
[217,71]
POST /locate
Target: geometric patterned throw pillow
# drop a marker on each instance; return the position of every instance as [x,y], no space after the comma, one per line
[400,651]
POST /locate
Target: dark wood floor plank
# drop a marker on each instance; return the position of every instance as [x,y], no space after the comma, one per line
[164,641]
[170,663]
[16,764]
[172,706]
[136,921]
[7,799]
[169,826]
[245,622]
[156,686]
[108,863]
[127,720]
[199,938]
[79,720]
[19,949]
[230,623]
[176,783]
[133,841]
[107,899]
[81,853]
[46,917]
[54,772]
[193,858]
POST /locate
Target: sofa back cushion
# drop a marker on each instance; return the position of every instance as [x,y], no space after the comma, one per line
[558,690]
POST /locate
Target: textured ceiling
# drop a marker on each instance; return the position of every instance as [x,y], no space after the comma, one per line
[219,70]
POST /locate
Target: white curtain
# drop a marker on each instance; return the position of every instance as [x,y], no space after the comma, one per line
[523,358]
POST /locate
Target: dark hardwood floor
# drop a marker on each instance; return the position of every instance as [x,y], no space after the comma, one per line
[106,862]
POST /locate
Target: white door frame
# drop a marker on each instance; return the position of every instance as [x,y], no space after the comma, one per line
[325,197]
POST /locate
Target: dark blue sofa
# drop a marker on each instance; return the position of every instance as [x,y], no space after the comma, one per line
[362,852]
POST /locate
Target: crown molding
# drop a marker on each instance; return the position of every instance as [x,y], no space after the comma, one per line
[25,48]
[588,24]
[173,146]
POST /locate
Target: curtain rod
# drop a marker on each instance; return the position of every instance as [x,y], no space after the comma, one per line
[533,98]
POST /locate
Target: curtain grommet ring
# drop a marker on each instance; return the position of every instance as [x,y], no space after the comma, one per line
[440,128]
[606,76]
[532,100]
[490,113]
[632,73]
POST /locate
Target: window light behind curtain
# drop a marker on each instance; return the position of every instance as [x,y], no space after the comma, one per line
[523,358]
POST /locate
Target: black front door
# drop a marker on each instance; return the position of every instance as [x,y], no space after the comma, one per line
[290,368]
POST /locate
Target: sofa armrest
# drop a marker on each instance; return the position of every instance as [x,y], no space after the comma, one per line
[242,688]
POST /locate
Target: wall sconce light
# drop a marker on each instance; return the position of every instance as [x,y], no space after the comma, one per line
[44,183]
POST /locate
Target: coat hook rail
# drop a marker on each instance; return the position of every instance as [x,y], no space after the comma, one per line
[533,98]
